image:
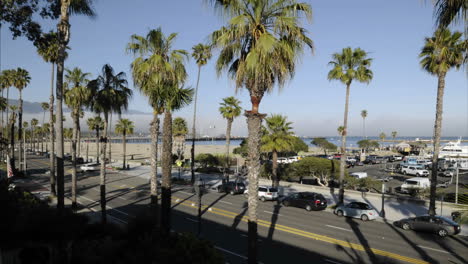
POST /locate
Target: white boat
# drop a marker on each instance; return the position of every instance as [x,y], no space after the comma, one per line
[454,149]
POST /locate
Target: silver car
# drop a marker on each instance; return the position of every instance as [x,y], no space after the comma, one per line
[359,210]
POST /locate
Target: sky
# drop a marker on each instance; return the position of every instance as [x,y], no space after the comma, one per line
[401,97]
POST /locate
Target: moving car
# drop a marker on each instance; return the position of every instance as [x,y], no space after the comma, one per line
[413,170]
[90,167]
[307,200]
[439,225]
[231,187]
[265,193]
[359,210]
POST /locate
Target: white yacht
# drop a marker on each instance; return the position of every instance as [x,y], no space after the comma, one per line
[454,149]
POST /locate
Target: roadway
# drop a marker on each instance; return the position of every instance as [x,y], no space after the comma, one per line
[285,233]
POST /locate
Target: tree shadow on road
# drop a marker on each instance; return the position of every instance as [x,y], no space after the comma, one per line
[444,243]
[240,216]
[213,203]
[274,219]
[362,239]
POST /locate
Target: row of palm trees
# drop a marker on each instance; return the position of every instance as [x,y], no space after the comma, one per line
[259,47]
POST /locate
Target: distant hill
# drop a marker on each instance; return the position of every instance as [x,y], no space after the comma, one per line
[34,108]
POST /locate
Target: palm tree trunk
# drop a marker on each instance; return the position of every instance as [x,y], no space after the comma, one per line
[192,150]
[166,173]
[63,29]
[274,169]
[7,110]
[20,125]
[254,123]
[73,143]
[78,141]
[124,143]
[110,139]
[24,153]
[11,151]
[97,145]
[363,128]
[437,134]
[103,171]
[52,135]
[154,158]
[228,142]
[87,148]
[343,147]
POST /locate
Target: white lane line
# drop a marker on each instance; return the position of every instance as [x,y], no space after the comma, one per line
[244,235]
[340,228]
[190,219]
[438,250]
[94,210]
[225,202]
[331,261]
[230,252]
[186,192]
[272,213]
[106,206]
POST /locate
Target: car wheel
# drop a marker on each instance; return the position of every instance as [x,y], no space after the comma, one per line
[308,208]
[405,226]
[219,189]
[364,217]
[339,213]
[232,192]
[404,172]
[417,175]
[442,233]
[262,199]
[285,203]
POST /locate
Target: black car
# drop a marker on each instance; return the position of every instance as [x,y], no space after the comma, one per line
[307,200]
[232,188]
[439,225]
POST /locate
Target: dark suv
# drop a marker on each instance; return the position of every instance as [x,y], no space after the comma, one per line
[307,200]
[232,188]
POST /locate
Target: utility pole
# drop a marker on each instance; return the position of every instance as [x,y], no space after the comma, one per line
[456,186]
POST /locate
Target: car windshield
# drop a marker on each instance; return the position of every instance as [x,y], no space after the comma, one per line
[412,182]
[445,219]
[364,206]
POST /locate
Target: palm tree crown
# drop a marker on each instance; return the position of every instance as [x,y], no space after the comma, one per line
[21,79]
[230,108]
[201,53]
[364,113]
[277,134]
[124,126]
[450,11]
[351,65]
[179,127]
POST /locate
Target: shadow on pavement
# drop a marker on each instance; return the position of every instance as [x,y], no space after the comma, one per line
[362,239]
[274,219]
[239,217]
[213,203]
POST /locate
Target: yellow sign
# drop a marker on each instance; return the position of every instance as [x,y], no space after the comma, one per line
[179,163]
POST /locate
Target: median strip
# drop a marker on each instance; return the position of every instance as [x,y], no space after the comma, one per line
[306,234]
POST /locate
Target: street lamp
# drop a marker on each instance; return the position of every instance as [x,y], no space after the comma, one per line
[382,213]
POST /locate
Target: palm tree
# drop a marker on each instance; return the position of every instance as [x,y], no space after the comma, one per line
[68,134]
[25,126]
[34,123]
[76,96]
[158,67]
[230,108]
[7,78]
[12,121]
[95,124]
[382,137]
[67,7]
[201,53]
[110,94]
[278,137]
[441,53]
[21,80]
[44,106]
[124,127]
[348,66]
[450,11]
[260,46]
[48,49]
[179,131]
[364,115]
[394,134]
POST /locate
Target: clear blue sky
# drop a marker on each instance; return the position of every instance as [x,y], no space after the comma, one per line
[401,96]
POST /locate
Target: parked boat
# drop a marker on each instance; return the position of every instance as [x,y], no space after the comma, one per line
[454,149]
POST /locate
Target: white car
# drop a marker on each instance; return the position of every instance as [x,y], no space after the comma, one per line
[265,193]
[90,167]
[350,159]
[359,210]
[412,170]
[283,160]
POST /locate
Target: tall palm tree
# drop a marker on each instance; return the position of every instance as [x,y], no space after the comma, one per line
[76,96]
[25,126]
[44,106]
[230,108]
[382,137]
[441,53]
[260,46]
[110,94]
[201,53]
[67,7]
[364,115]
[124,127]
[348,66]
[179,131]
[394,134]
[95,124]
[34,123]
[278,137]
[21,80]
[447,12]
[11,133]
[7,78]
[48,49]
[153,71]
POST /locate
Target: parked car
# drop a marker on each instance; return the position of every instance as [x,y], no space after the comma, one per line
[443,184]
[266,193]
[380,159]
[397,157]
[385,178]
[232,188]
[371,159]
[350,159]
[359,210]
[450,172]
[415,183]
[439,225]
[283,160]
[307,200]
[90,167]
[413,170]
[358,175]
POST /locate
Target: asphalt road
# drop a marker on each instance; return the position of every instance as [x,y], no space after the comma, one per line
[285,234]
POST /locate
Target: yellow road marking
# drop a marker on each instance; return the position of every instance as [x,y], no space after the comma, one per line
[306,234]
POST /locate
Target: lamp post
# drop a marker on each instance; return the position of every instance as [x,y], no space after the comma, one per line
[382,213]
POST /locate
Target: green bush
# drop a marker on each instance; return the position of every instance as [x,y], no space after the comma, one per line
[207,160]
[313,166]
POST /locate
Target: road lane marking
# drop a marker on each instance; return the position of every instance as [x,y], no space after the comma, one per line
[340,228]
[310,235]
[331,261]
[186,192]
[230,252]
[438,250]
[225,202]
[190,219]
[272,213]
[107,206]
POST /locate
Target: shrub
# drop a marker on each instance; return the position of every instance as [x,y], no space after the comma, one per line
[207,160]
